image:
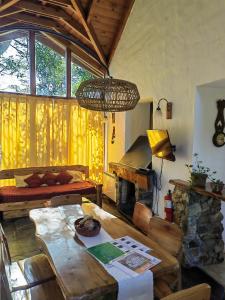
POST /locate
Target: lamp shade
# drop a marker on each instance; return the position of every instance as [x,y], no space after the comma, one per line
[107,94]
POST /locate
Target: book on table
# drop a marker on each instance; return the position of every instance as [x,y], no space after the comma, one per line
[125,254]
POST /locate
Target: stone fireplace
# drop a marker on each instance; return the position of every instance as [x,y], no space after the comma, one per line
[198,213]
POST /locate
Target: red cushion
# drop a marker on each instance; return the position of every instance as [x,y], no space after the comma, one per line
[49,179]
[64,177]
[33,181]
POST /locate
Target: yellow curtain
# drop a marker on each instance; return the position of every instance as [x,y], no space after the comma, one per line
[39,131]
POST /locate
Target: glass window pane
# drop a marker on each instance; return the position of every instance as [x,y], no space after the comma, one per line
[14,64]
[78,74]
[50,71]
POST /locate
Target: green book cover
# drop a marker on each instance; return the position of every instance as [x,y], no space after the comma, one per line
[105,252]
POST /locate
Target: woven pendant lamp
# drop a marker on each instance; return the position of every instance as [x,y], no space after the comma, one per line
[107,94]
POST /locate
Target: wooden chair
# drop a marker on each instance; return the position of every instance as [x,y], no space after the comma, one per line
[169,236]
[166,234]
[32,276]
[141,216]
[64,200]
[198,292]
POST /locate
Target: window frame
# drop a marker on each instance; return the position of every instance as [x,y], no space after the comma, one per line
[32,70]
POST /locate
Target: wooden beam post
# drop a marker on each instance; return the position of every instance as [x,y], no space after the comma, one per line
[89,29]
[32,62]
[7,4]
[68,73]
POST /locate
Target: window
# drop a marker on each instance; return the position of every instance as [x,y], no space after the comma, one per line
[50,71]
[78,74]
[14,65]
[50,65]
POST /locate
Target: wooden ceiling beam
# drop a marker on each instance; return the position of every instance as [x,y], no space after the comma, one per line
[61,3]
[40,21]
[84,58]
[43,10]
[61,17]
[46,23]
[91,10]
[7,21]
[89,29]
[7,4]
[10,11]
[120,30]
[77,33]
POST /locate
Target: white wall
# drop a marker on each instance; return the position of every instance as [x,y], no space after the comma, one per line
[129,126]
[205,115]
[168,48]
[136,123]
[115,151]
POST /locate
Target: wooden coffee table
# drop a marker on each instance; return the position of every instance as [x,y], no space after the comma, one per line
[79,275]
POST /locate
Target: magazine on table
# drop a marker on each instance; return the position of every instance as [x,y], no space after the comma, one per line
[125,254]
[136,262]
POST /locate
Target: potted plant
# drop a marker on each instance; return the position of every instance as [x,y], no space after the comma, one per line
[216,185]
[198,173]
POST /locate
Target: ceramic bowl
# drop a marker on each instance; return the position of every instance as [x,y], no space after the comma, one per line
[84,231]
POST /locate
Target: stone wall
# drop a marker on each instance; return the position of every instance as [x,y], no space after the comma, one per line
[200,218]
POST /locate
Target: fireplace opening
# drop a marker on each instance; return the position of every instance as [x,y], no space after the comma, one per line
[126,197]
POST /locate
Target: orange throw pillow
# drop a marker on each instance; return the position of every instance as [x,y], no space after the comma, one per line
[49,179]
[33,181]
[64,177]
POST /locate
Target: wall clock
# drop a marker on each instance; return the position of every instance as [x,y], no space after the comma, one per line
[219,136]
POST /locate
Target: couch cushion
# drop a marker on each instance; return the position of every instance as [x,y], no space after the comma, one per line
[49,179]
[20,180]
[77,176]
[64,177]
[14,194]
[33,181]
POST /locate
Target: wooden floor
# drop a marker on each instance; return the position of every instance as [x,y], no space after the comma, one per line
[22,243]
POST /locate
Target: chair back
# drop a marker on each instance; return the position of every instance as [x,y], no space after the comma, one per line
[5,262]
[5,244]
[166,234]
[198,292]
[64,200]
[141,216]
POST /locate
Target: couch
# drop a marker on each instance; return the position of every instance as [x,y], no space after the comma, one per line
[17,201]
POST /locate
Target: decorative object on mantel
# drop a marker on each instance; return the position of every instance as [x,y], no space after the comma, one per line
[198,214]
[108,94]
[198,173]
[168,108]
[217,186]
[219,136]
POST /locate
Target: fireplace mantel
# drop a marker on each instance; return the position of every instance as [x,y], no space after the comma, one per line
[185,185]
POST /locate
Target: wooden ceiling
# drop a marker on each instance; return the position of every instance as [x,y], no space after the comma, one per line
[92,27]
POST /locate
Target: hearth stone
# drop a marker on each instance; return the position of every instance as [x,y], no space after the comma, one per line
[199,217]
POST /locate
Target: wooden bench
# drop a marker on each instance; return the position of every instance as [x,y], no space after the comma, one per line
[22,208]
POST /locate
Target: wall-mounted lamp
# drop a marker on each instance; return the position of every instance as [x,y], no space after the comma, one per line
[168,108]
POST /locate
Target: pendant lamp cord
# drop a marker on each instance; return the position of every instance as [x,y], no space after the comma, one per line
[114,128]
